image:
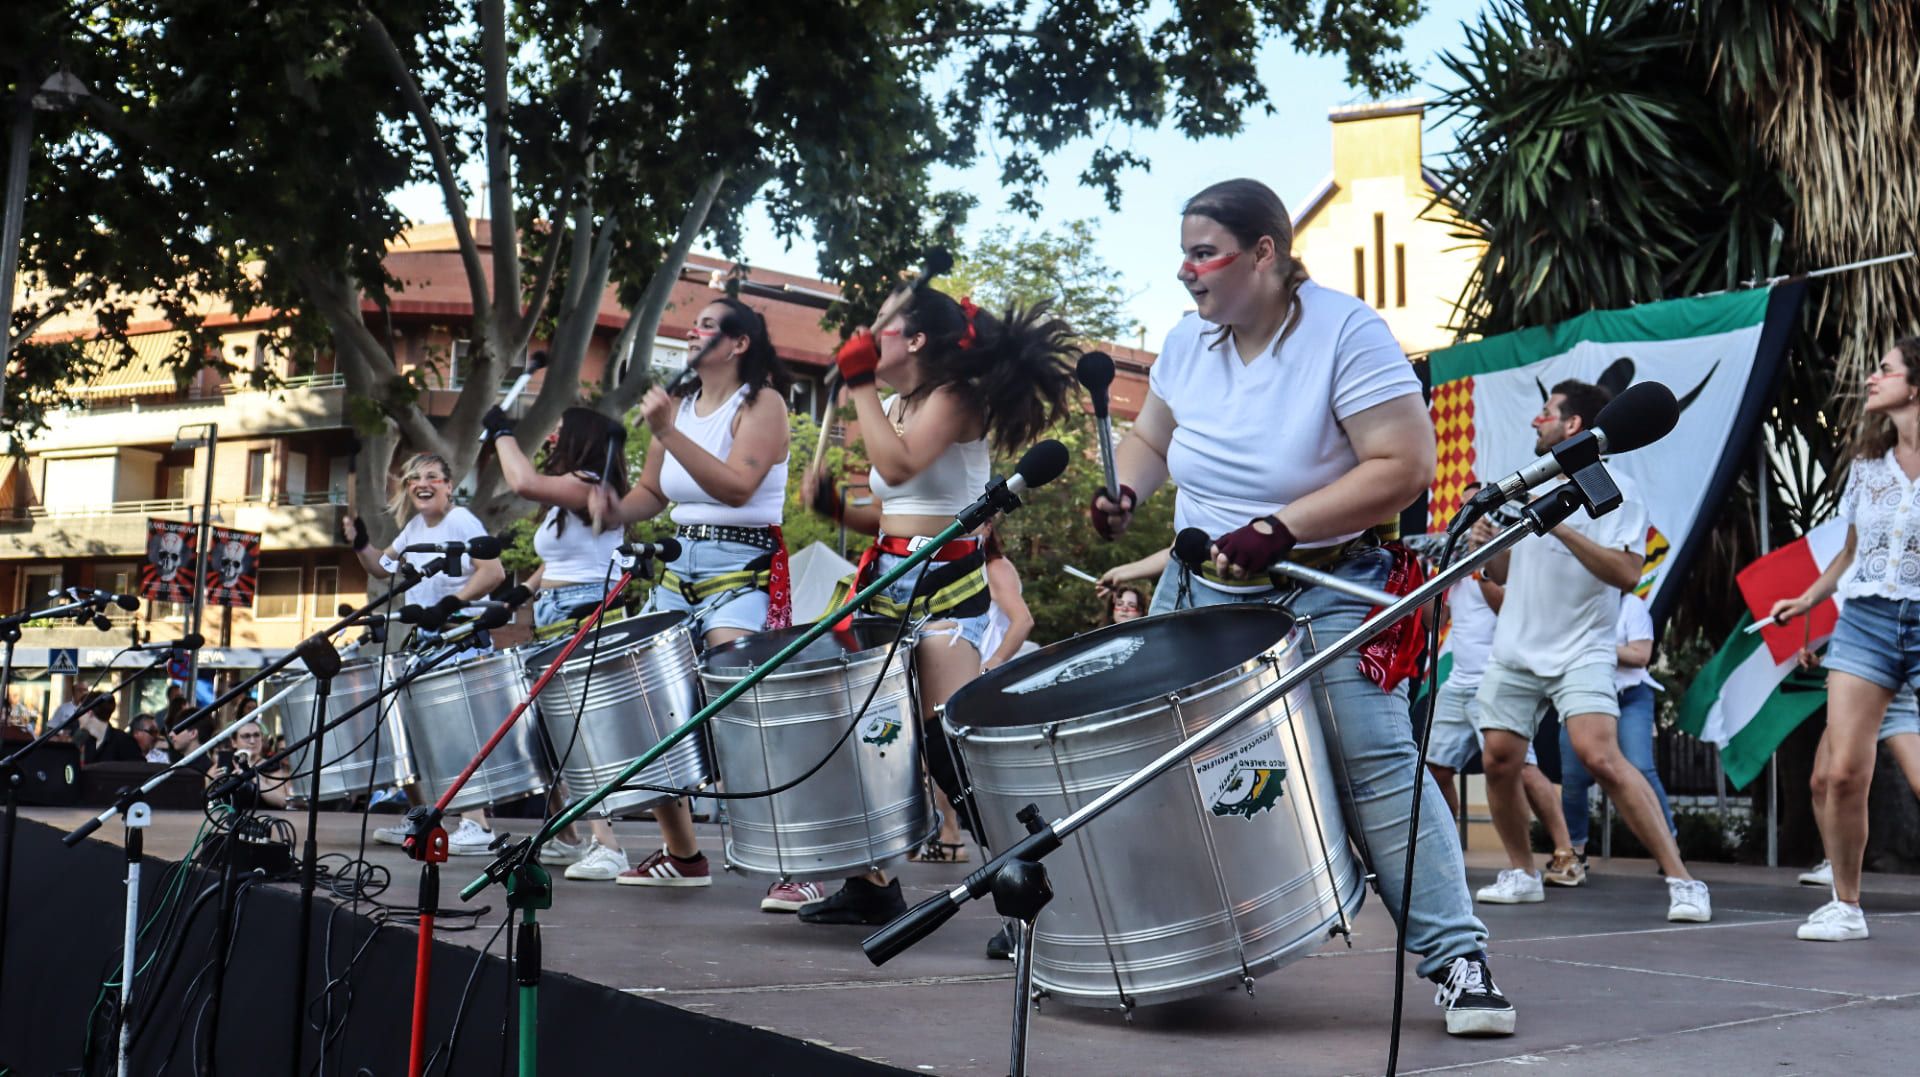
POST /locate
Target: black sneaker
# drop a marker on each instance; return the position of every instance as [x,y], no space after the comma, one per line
[1000,947]
[857,902]
[1475,1007]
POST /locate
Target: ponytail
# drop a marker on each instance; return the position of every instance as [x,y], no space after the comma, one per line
[1016,370]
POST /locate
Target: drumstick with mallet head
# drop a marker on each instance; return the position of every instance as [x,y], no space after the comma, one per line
[1095,371]
[535,362]
[938,262]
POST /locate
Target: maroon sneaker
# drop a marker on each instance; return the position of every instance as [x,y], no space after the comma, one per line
[661,868]
[789,896]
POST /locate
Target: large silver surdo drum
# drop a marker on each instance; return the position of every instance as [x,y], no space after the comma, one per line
[644,683]
[1219,870]
[451,710]
[365,752]
[868,805]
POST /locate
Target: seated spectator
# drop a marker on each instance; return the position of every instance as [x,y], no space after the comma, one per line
[189,737]
[152,741]
[109,745]
[269,787]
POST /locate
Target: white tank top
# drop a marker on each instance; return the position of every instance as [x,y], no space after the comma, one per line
[575,555]
[952,482]
[714,433]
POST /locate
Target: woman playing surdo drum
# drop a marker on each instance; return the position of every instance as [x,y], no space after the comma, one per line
[962,378]
[718,458]
[1292,425]
[589,454]
[423,507]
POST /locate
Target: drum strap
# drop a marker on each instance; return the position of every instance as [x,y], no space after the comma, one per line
[952,589]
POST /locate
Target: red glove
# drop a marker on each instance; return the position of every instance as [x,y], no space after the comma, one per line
[1098,517]
[857,359]
[1259,544]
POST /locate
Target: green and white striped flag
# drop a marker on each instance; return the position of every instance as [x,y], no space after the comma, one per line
[1745,702]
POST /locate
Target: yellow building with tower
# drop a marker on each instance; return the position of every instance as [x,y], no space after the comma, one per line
[1376,228]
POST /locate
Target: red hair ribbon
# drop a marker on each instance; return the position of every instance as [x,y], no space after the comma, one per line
[968,310]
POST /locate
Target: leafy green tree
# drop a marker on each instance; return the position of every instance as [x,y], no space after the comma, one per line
[1060,268]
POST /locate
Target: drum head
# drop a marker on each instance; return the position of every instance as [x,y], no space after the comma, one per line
[1118,666]
[613,637]
[865,634]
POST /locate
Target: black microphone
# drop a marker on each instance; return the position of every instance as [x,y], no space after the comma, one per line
[1039,466]
[1192,548]
[431,617]
[667,549]
[192,641]
[493,616]
[516,596]
[1095,371]
[1641,415]
[105,598]
[480,548]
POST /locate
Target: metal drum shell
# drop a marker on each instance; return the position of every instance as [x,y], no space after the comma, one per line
[645,684]
[352,762]
[451,710]
[867,807]
[1143,874]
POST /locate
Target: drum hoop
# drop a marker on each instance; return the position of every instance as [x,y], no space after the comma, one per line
[584,655]
[806,669]
[1097,721]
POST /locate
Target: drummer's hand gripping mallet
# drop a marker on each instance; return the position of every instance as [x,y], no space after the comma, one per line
[1042,464]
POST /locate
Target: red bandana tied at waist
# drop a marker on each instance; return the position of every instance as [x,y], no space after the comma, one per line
[1394,655]
[779,585]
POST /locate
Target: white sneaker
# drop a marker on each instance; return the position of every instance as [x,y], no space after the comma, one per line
[391,835]
[1688,901]
[470,839]
[1821,875]
[556,851]
[600,863]
[1836,921]
[1513,887]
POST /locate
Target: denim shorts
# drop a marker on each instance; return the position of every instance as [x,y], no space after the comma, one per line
[972,629]
[1515,700]
[1903,715]
[744,608]
[556,603]
[1878,640]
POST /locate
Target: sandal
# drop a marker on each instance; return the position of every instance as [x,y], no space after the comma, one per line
[936,851]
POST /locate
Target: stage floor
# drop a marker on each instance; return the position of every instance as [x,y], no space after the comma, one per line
[1604,983]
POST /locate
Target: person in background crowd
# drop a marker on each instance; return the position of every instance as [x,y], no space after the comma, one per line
[109,745]
[147,734]
[1123,588]
[1633,645]
[1876,646]
[422,505]
[269,787]
[189,737]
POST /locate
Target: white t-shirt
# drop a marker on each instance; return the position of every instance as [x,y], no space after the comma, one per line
[458,525]
[1881,505]
[1557,615]
[574,554]
[1636,624]
[1470,639]
[1253,437]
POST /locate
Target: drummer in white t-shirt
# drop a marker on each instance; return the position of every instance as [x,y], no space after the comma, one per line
[423,507]
[1555,643]
[1293,425]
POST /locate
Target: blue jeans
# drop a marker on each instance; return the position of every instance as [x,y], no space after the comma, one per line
[1380,758]
[554,603]
[1878,640]
[744,608]
[1636,743]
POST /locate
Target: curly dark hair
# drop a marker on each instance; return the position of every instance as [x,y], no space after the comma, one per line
[1015,369]
[760,364]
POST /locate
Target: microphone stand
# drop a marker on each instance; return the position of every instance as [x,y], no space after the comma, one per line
[323,662]
[426,839]
[1021,891]
[529,886]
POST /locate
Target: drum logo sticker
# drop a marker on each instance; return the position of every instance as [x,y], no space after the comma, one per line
[1109,655]
[1246,781]
[880,730]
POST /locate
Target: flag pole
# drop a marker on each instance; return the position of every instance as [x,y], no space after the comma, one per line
[1761,475]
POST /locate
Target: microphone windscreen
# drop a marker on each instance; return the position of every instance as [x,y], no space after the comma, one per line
[344,609]
[192,640]
[1095,371]
[127,602]
[1042,464]
[494,615]
[411,614]
[1642,414]
[1192,547]
[536,361]
[484,548]
[518,594]
[669,549]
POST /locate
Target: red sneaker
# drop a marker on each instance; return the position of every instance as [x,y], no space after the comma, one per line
[789,896]
[662,869]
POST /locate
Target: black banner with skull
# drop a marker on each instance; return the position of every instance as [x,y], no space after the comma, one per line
[168,574]
[233,577]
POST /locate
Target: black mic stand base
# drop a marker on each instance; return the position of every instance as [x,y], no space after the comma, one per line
[1020,891]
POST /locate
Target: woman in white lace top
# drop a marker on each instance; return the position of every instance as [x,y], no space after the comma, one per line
[1876,647]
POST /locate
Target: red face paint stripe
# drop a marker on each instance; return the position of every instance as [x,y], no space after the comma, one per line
[1214,264]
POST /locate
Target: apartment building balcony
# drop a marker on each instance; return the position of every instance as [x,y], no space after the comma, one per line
[112,417]
[119,528]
